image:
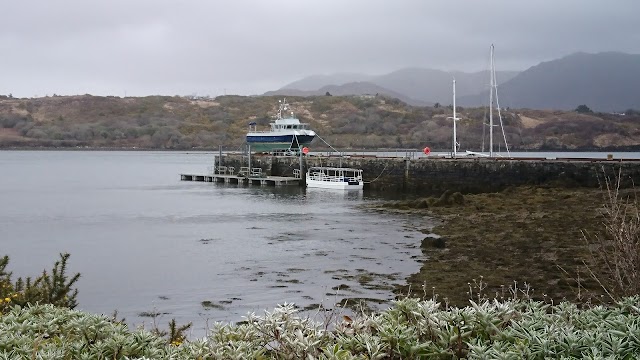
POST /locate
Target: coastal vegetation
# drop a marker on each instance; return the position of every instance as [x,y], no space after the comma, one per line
[50,287]
[410,329]
[346,122]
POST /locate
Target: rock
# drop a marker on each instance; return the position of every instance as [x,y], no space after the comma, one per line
[434,242]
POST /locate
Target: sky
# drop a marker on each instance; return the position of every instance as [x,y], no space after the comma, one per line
[248,47]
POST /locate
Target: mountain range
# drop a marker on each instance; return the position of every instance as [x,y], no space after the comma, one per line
[414,86]
[608,82]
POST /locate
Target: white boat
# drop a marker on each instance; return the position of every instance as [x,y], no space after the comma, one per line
[474,153]
[335,178]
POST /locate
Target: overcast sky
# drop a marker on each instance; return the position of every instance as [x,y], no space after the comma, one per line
[209,47]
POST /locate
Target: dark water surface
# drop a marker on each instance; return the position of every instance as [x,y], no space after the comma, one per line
[146,242]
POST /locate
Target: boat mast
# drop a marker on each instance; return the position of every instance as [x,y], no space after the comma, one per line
[495,86]
[454,151]
[282,106]
[491,106]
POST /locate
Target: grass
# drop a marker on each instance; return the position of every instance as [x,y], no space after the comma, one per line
[616,253]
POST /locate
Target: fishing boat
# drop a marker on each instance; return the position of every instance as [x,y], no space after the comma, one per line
[334,178]
[287,134]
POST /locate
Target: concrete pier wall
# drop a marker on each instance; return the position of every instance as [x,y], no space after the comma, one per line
[427,175]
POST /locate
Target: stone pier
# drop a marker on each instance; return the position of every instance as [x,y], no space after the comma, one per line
[430,175]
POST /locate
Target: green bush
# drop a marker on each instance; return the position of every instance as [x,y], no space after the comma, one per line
[54,287]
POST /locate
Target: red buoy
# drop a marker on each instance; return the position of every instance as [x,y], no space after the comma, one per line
[305,150]
[426,150]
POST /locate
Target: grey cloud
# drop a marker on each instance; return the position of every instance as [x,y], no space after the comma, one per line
[251,46]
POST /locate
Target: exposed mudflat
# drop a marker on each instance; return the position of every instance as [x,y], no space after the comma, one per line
[517,240]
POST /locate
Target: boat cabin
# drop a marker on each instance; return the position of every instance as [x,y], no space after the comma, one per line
[288,124]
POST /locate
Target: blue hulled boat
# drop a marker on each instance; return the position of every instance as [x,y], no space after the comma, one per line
[287,133]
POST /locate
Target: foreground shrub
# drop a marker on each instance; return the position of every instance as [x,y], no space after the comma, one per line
[51,287]
[49,332]
[410,329]
[616,254]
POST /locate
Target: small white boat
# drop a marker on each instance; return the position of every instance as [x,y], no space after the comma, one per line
[335,178]
[475,153]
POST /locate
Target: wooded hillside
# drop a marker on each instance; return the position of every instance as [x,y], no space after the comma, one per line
[346,122]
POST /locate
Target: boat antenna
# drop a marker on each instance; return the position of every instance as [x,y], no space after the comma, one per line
[281,108]
[455,144]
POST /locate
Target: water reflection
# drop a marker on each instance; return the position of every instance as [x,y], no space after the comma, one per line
[317,194]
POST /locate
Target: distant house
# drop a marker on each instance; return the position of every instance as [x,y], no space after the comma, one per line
[367,96]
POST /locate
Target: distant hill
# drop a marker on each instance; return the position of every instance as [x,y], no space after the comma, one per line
[606,82]
[435,85]
[315,82]
[353,88]
[414,86]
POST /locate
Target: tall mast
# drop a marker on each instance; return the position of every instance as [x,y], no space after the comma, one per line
[495,86]
[455,138]
[454,148]
[491,87]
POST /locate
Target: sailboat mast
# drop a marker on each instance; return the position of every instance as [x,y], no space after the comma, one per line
[455,138]
[491,87]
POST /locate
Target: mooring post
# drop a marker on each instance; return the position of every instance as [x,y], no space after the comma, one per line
[303,177]
[220,156]
[405,178]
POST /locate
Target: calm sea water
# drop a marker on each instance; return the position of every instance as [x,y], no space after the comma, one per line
[146,242]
